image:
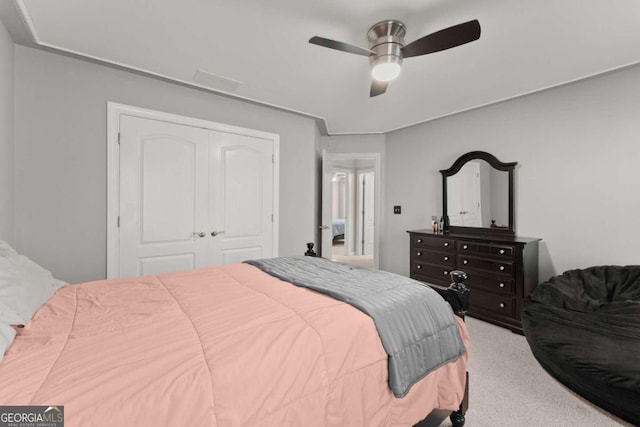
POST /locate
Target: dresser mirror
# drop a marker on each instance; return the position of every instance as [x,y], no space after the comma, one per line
[477,195]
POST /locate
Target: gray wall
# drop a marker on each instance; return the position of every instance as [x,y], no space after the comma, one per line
[7,205]
[60,165]
[355,144]
[577,149]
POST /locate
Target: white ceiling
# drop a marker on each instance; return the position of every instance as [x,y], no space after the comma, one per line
[525,46]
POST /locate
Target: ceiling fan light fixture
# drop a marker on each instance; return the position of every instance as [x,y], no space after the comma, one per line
[386,71]
[387,47]
[386,68]
[386,39]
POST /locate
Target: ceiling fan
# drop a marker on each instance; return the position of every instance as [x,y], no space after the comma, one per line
[387,48]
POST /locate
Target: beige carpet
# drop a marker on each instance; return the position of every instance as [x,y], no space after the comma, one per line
[509,388]
[337,254]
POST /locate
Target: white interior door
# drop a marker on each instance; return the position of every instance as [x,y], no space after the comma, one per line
[455,210]
[241,199]
[471,195]
[163,197]
[192,197]
[326,228]
[463,189]
[366,212]
[369,212]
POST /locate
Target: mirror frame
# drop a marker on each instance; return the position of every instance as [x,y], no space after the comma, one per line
[496,164]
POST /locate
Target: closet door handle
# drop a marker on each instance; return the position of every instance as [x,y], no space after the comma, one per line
[215,233]
[200,234]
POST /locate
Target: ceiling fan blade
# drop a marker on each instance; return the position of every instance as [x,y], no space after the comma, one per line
[345,47]
[378,88]
[443,39]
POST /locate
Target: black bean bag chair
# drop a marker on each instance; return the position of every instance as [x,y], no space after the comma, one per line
[584,328]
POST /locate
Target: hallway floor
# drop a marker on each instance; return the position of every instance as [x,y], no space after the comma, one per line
[337,254]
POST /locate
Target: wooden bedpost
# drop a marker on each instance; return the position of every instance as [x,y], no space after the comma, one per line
[310,251]
[457,295]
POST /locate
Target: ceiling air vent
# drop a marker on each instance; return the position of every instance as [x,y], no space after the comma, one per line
[216,82]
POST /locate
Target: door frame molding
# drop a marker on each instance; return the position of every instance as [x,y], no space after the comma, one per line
[360,206]
[114,111]
[337,157]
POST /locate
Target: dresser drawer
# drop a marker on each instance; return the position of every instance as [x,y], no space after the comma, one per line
[434,243]
[444,259]
[430,273]
[497,285]
[485,301]
[483,249]
[503,268]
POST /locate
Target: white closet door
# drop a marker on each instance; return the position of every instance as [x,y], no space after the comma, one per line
[241,197]
[163,197]
[192,197]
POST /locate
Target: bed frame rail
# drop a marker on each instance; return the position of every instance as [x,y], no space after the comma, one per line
[457,295]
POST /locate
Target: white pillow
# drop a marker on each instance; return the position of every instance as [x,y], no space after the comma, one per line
[24,286]
[7,333]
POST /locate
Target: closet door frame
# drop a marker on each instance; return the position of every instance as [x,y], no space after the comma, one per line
[114,111]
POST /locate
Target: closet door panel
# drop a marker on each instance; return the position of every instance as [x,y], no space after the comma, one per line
[163,197]
[241,201]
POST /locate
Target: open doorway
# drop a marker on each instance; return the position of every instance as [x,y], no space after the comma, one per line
[350,193]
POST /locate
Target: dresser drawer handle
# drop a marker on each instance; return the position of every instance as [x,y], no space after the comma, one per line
[465,262]
[419,240]
[446,244]
[446,258]
[445,272]
[419,254]
[418,267]
[465,247]
[501,285]
[502,268]
[501,251]
[502,305]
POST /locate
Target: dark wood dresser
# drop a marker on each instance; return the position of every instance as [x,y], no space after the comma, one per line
[502,270]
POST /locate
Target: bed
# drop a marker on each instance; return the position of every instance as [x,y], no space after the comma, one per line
[338,228]
[224,346]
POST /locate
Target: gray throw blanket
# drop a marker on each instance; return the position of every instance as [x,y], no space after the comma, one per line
[416,325]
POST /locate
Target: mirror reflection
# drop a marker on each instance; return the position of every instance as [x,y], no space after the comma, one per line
[478,196]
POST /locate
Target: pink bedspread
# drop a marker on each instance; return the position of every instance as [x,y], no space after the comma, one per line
[226,346]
